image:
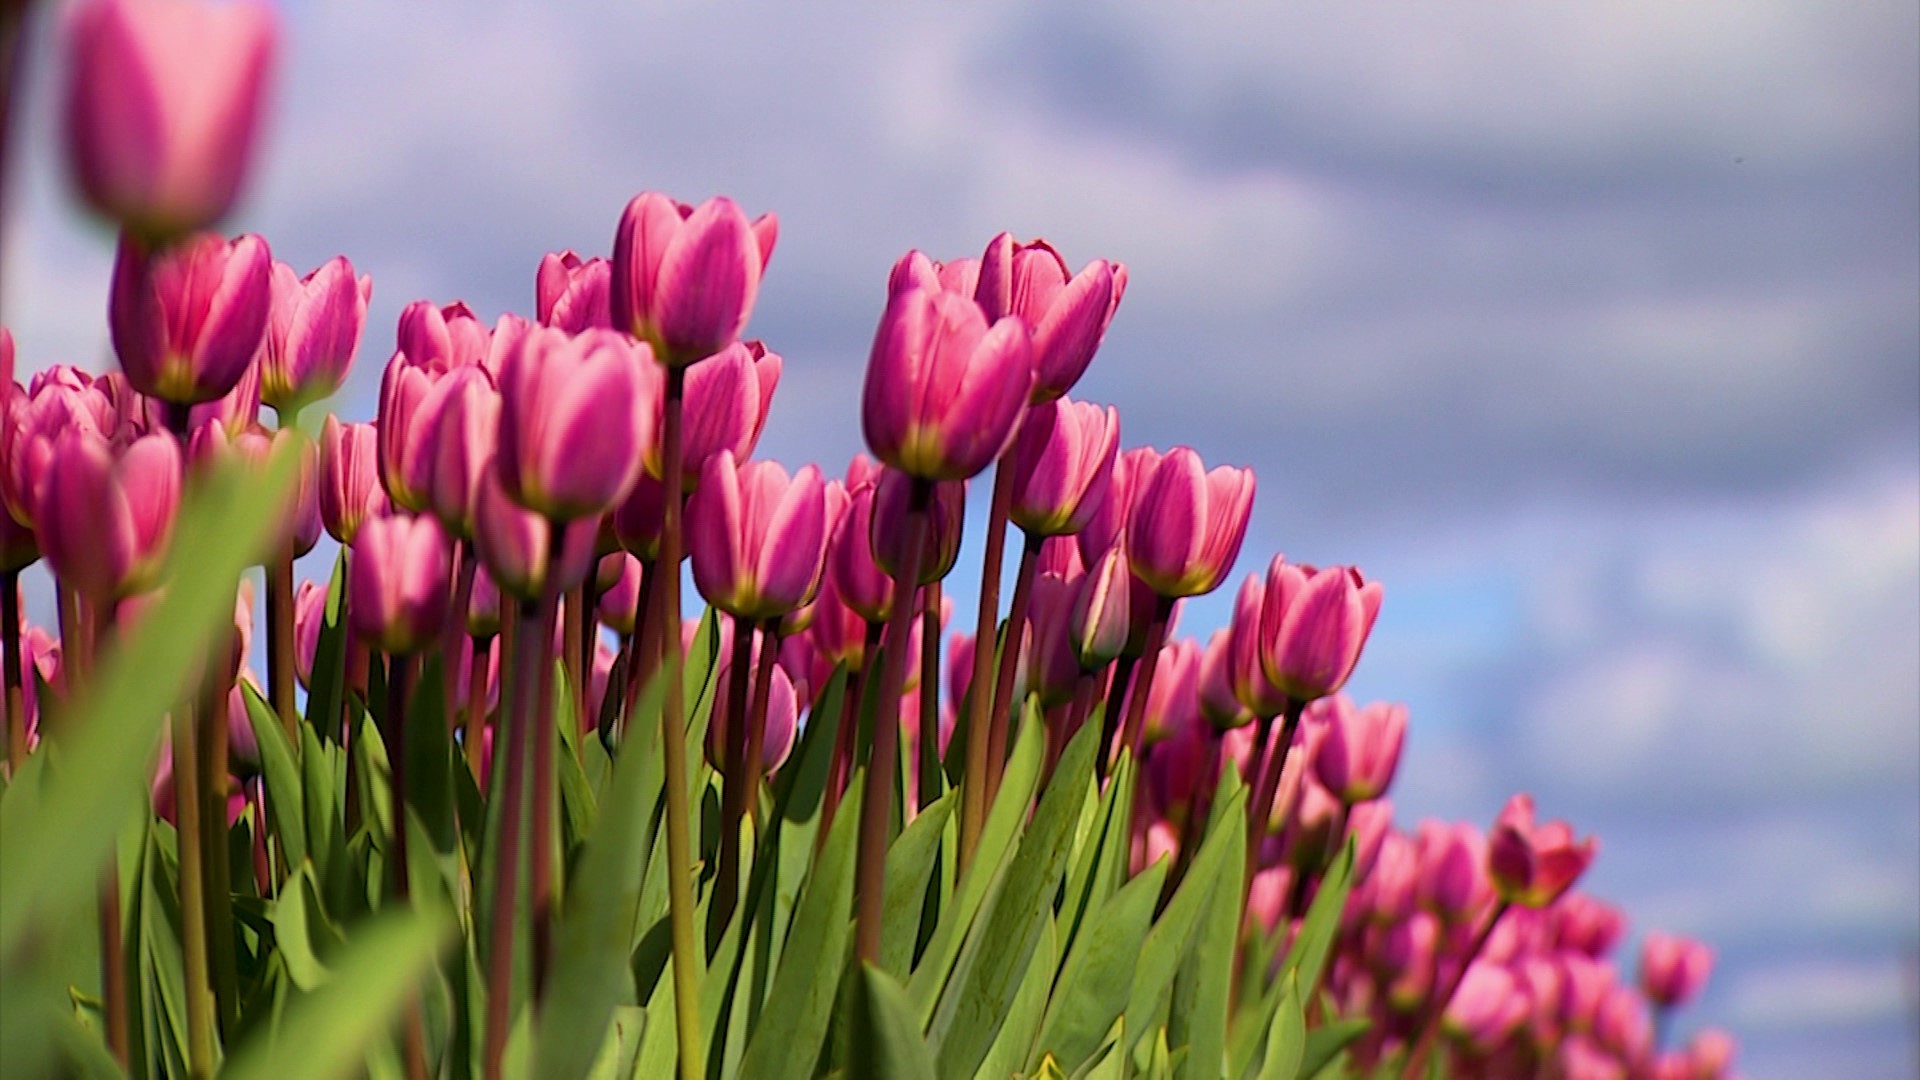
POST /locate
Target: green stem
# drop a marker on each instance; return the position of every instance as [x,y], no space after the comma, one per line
[757,718]
[1149,661]
[733,794]
[280,641]
[541,818]
[673,742]
[524,657]
[927,781]
[1110,715]
[1267,787]
[1000,717]
[193,911]
[973,783]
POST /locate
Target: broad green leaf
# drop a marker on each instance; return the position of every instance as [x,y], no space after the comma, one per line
[909,863]
[886,1042]
[162,978]
[1286,1034]
[328,1030]
[281,772]
[321,805]
[1013,1041]
[1309,954]
[54,847]
[1173,933]
[621,1050]
[1106,855]
[788,1039]
[303,933]
[1098,974]
[1325,1042]
[326,680]
[997,951]
[1203,989]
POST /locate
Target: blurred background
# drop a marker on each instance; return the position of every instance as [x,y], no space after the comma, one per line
[1593,331]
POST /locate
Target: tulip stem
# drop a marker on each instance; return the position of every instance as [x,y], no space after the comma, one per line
[10,671]
[113,958]
[1195,828]
[846,736]
[726,882]
[1268,776]
[523,657]
[1000,718]
[1429,1026]
[575,657]
[400,677]
[973,782]
[280,641]
[541,818]
[218,894]
[193,912]
[476,731]
[453,634]
[643,644]
[876,804]
[1149,661]
[928,741]
[757,719]
[1110,714]
[673,743]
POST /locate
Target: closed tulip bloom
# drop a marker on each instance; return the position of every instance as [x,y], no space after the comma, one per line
[238,411]
[483,604]
[1673,969]
[349,481]
[1068,315]
[684,278]
[783,712]
[946,518]
[641,516]
[1245,663]
[58,400]
[1108,521]
[1313,624]
[858,581]
[1531,865]
[570,293]
[1487,1006]
[188,319]
[212,445]
[572,422]
[1102,621]
[104,516]
[1173,701]
[1218,703]
[433,342]
[1368,824]
[312,333]
[944,390]
[916,270]
[440,338]
[1187,524]
[617,581]
[1453,877]
[1579,922]
[758,536]
[309,618]
[1407,954]
[454,432]
[1362,749]
[516,546]
[1063,466]
[1624,1025]
[725,407]
[163,102]
[398,591]
[1049,666]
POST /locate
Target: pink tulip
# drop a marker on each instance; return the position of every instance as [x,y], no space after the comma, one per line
[312,333]
[516,546]
[1362,749]
[1487,1006]
[59,399]
[858,581]
[1049,666]
[399,587]
[1175,771]
[944,390]
[570,293]
[572,422]
[1313,624]
[483,605]
[758,536]
[1579,922]
[188,319]
[309,618]
[618,580]
[1673,969]
[1068,316]
[1107,524]
[1531,865]
[1624,1026]
[1244,660]
[1103,618]
[1186,524]
[783,711]
[946,518]
[349,488]
[453,445]
[1218,703]
[725,408]
[916,270]
[684,278]
[105,516]
[163,102]
[1173,701]
[1063,466]
[1453,878]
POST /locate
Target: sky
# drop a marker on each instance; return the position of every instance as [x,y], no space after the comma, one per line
[1592,331]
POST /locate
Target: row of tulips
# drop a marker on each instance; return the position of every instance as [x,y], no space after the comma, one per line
[1100,847]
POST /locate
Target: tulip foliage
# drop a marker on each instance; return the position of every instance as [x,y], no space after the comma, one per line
[494,807]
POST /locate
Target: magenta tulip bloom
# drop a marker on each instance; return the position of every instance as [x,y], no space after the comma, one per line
[1186,524]
[1067,315]
[1244,663]
[570,293]
[188,319]
[516,545]
[1049,666]
[440,339]
[1453,877]
[758,536]
[104,516]
[1362,749]
[726,401]
[640,517]
[1531,865]
[349,481]
[573,422]
[1105,526]
[1218,703]
[313,332]
[59,399]
[1103,619]
[944,390]
[1313,624]
[1673,969]
[1579,922]
[1487,1006]
[453,445]
[1063,466]
[684,278]
[858,581]
[398,591]
[783,713]
[1173,701]
[916,270]
[163,102]
[946,517]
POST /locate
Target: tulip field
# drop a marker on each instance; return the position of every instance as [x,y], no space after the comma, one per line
[605,748]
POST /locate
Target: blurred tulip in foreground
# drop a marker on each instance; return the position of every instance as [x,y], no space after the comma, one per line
[1531,865]
[187,319]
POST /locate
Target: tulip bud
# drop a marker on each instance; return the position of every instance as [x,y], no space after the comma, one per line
[783,711]
[858,581]
[570,293]
[483,604]
[1218,704]
[1673,969]
[1584,924]
[946,516]
[915,270]
[1532,865]
[726,402]
[1068,316]
[517,546]
[1173,701]
[454,432]
[758,536]
[572,422]
[1244,663]
[1108,521]
[1049,665]
[1362,749]
[1486,1007]
[398,590]
[313,333]
[640,518]
[684,278]
[309,618]
[349,488]
[60,399]
[1186,524]
[944,390]
[163,102]
[1453,878]
[188,319]
[618,580]
[105,516]
[1103,617]
[1062,466]
[1313,624]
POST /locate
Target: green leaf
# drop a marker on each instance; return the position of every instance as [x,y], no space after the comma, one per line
[326,1032]
[326,681]
[1173,934]
[303,933]
[1015,1037]
[1286,1035]
[54,845]
[909,863]
[281,771]
[1203,989]
[1094,983]
[1325,1042]
[1106,856]
[886,1041]
[996,953]
[1309,954]
[787,1042]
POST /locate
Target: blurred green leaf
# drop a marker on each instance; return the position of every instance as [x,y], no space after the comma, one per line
[280,770]
[1327,1040]
[327,678]
[1286,1034]
[305,935]
[1309,954]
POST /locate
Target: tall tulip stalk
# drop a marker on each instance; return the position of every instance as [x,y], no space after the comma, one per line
[1081,840]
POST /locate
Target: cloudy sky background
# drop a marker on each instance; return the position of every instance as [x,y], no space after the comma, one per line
[1593,331]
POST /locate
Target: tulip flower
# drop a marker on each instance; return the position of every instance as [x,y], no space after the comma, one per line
[943,390]
[1049,665]
[104,516]
[617,579]
[1062,466]
[1186,524]
[572,422]
[1245,665]
[1313,624]
[640,517]
[1531,865]
[684,278]
[188,319]
[1173,701]
[946,517]
[312,333]
[516,546]
[1067,315]
[349,488]
[1673,968]
[59,399]
[1579,922]
[571,293]
[441,338]
[1362,749]
[916,270]
[309,618]
[1487,1006]
[163,103]
[398,591]
[1453,877]
[758,536]
[1218,703]
[858,581]
[1108,521]
[454,431]
[783,711]
[1102,622]
[725,408]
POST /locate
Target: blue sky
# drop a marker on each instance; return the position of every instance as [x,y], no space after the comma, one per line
[1592,331]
